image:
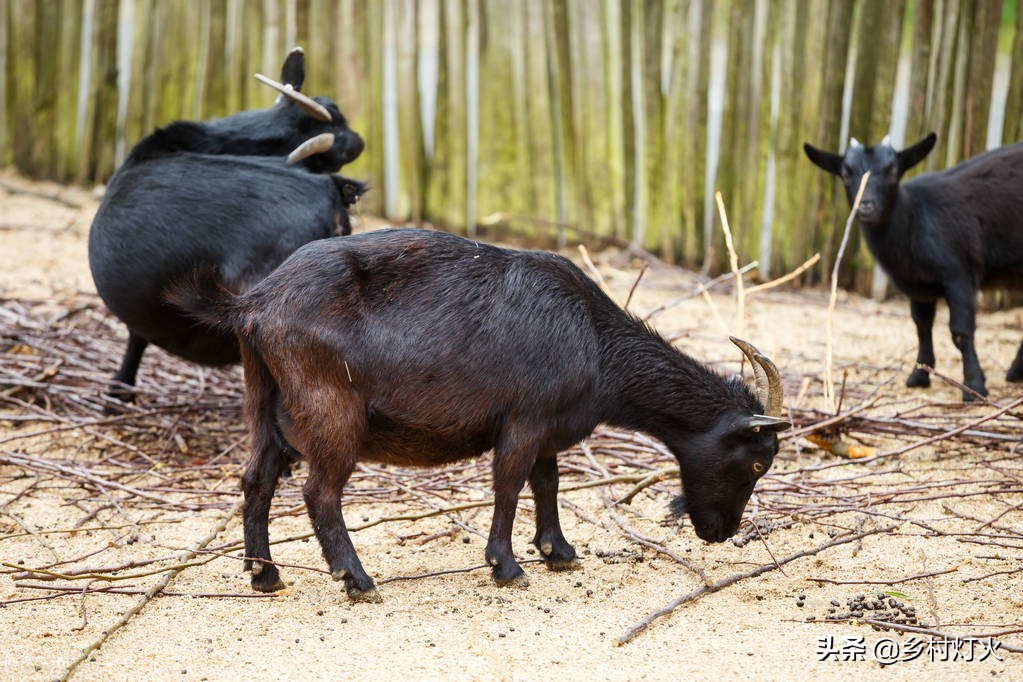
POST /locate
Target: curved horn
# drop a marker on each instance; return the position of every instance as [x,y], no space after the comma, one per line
[853,142]
[307,104]
[314,145]
[766,377]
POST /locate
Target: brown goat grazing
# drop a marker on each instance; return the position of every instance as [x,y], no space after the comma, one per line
[415,347]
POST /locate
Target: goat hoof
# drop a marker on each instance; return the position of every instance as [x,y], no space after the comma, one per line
[918,379]
[124,393]
[260,583]
[563,564]
[520,581]
[509,573]
[971,398]
[368,596]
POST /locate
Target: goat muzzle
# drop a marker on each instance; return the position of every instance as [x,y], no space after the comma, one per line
[766,377]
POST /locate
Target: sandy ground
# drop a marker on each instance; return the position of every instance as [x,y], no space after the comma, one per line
[564,625]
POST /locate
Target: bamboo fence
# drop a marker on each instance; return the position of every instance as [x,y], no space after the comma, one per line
[617,117]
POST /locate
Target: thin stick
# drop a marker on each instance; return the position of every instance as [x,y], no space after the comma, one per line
[714,309]
[829,389]
[593,270]
[653,479]
[948,434]
[961,386]
[14,189]
[809,263]
[152,592]
[733,262]
[631,633]
[646,264]
[702,289]
[829,422]
[894,581]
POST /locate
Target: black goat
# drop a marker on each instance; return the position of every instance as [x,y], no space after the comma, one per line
[217,193]
[944,235]
[421,348]
[313,131]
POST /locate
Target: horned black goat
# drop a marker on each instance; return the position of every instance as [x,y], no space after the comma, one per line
[944,234]
[415,347]
[220,193]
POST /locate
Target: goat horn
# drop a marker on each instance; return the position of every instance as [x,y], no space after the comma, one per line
[887,141]
[307,104]
[853,142]
[766,377]
[314,145]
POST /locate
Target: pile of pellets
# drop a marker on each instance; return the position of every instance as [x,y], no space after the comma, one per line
[876,607]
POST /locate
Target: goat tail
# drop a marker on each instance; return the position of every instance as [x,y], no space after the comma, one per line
[202,296]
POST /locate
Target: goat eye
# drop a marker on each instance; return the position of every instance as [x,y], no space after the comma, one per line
[758,468]
[755,429]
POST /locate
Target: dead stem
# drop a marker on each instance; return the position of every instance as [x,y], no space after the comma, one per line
[708,588]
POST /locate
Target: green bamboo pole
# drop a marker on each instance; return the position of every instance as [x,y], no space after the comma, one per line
[825,198]
[104,120]
[917,124]
[67,30]
[4,134]
[659,233]
[634,59]
[202,61]
[878,43]
[1012,131]
[472,112]
[44,100]
[628,118]
[702,22]
[676,64]
[614,149]
[980,76]
[941,93]
[739,127]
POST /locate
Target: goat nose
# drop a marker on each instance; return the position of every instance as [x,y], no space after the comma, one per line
[354,146]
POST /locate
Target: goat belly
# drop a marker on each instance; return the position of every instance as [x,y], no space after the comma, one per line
[392,442]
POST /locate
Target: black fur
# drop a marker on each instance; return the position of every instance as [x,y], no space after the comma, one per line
[216,193]
[940,235]
[418,347]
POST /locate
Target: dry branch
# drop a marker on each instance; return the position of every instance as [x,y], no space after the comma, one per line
[829,387]
[705,589]
[152,591]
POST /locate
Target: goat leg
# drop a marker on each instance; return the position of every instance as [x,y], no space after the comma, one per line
[512,464]
[962,309]
[1015,372]
[122,385]
[322,493]
[549,539]
[923,316]
[258,484]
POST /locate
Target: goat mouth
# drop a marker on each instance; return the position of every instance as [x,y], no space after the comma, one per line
[867,214]
[713,532]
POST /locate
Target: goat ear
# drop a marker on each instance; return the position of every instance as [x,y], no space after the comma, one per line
[832,163]
[293,71]
[762,422]
[910,156]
